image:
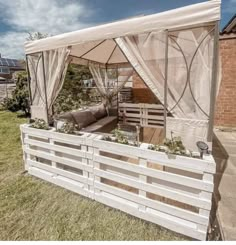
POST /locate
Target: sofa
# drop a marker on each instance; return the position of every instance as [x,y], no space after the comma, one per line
[92,119]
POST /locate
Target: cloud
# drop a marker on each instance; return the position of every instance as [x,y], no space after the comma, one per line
[46,16]
[230,7]
[12,44]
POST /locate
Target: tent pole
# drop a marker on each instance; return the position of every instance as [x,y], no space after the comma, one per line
[45,89]
[166,78]
[213,82]
[117,95]
[28,79]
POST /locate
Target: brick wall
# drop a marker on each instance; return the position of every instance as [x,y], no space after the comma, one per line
[141,93]
[225,114]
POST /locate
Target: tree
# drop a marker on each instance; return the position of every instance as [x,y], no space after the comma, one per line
[72,95]
[20,96]
[36,35]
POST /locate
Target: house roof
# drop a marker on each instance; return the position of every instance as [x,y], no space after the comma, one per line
[230,27]
[11,63]
[7,66]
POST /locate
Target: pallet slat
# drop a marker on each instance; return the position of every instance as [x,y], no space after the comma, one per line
[174,195]
[62,160]
[160,206]
[58,148]
[152,218]
[61,172]
[179,162]
[171,177]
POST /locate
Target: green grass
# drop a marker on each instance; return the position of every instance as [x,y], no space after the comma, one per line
[31,209]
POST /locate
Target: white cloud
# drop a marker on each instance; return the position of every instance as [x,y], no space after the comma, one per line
[230,7]
[46,16]
[12,44]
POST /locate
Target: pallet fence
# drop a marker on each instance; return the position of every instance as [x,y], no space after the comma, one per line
[171,191]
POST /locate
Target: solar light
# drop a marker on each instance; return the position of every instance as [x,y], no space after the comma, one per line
[202,147]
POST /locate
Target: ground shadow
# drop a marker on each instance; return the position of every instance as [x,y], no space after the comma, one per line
[221,158]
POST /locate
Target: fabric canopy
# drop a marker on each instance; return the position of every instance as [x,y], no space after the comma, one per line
[189,36]
[174,19]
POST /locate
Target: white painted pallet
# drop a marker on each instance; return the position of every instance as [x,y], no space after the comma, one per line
[146,115]
[103,171]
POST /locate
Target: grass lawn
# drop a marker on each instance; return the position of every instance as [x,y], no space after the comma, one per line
[31,209]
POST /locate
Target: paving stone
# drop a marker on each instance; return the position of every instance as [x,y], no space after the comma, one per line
[230,148]
[230,234]
[225,182]
[227,185]
[227,211]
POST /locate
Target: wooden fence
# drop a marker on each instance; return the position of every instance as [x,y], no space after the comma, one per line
[171,191]
[146,115]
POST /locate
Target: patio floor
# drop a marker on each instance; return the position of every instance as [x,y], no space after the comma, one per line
[153,135]
[224,152]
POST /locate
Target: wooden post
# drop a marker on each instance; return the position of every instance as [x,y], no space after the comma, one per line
[25,155]
[143,178]
[208,196]
[85,160]
[54,164]
[96,165]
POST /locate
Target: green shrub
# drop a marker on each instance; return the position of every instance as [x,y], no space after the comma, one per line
[10,104]
[20,96]
[73,95]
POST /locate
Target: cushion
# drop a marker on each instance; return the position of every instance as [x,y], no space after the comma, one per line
[83,118]
[104,122]
[98,111]
[67,116]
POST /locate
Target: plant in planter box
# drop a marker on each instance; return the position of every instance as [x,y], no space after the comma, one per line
[175,146]
[39,124]
[68,128]
[120,137]
[172,146]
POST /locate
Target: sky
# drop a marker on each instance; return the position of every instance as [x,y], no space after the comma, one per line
[19,17]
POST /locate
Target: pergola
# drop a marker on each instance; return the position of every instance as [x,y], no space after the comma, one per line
[174,52]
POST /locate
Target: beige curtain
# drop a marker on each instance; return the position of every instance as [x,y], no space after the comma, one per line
[55,66]
[189,67]
[107,86]
[190,59]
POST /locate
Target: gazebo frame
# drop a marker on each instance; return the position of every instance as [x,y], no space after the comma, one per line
[169,190]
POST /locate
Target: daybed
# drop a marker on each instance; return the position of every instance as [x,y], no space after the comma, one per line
[92,119]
